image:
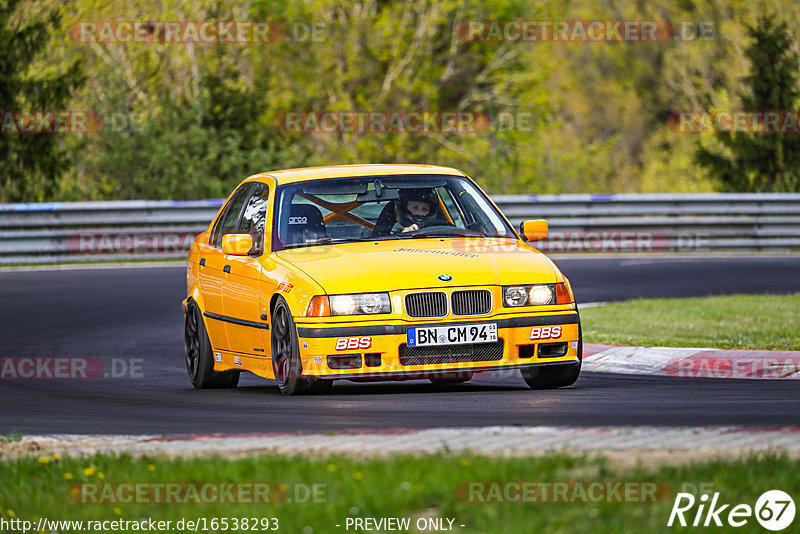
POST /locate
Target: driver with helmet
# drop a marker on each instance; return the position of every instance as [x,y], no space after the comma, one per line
[413,210]
[416,208]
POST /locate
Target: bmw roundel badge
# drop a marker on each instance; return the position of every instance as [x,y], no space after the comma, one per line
[445,277]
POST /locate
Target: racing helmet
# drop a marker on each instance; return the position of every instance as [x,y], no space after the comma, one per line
[405,217]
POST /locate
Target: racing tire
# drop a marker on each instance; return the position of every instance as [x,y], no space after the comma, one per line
[555,376]
[286,353]
[199,354]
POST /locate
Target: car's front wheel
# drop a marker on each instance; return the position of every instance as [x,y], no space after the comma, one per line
[199,357]
[286,353]
[555,376]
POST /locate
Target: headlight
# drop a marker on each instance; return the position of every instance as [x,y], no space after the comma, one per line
[541,295]
[535,295]
[360,304]
[516,296]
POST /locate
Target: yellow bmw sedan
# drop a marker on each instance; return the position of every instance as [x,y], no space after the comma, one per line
[373,272]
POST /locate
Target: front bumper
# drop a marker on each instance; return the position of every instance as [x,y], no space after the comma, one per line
[380,351]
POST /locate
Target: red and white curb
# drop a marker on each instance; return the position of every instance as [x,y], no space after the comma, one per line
[498,440]
[692,363]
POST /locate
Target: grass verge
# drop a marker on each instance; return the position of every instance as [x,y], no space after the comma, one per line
[11,437]
[760,322]
[404,487]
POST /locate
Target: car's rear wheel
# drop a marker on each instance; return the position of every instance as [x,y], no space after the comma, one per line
[286,353]
[199,357]
[555,376]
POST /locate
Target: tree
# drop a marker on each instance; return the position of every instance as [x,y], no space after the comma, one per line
[30,163]
[757,162]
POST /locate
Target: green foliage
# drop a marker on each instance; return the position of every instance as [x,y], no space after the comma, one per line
[189,120]
[30,164]
[198,149]
[753,161]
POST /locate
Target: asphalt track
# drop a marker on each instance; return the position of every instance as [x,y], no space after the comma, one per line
[134,314]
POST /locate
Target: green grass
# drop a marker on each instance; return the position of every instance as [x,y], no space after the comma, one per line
[767,322]
[11,437]
[394,487]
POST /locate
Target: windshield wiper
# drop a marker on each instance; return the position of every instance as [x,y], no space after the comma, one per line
[334,240]
[442,233]
[338,240]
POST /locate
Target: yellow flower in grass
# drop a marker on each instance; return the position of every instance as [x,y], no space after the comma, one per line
[117,511]
[101,476]
[89,471]
[67,476]
[331,468]
[56,457]
[151,468]
[10,513]
[464,462]
[358,475]
[44,459]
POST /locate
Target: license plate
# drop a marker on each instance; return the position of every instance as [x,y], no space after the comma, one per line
[452,335]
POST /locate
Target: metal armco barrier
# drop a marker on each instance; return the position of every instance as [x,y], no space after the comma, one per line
[614,223]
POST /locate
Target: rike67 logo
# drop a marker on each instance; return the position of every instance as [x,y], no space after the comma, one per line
[774,510]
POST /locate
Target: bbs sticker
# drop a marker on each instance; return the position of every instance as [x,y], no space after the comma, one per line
[545,332]
[352,343]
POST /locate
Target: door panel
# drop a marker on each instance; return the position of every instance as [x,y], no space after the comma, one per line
[241,301]
[211,277]
[210,282]
[240,287]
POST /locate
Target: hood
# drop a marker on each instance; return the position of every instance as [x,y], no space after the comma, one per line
[417,263]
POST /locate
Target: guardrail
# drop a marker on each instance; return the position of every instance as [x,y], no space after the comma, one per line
[163,229]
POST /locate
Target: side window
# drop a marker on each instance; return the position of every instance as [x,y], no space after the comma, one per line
[254,218]
[451,206]
[230,218]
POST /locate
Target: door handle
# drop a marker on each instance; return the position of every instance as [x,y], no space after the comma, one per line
[202,262]
[227,269]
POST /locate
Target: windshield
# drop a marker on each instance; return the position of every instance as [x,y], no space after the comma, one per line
[374,208]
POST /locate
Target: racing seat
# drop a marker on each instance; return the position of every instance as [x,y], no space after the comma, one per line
[306,224]
[385,222]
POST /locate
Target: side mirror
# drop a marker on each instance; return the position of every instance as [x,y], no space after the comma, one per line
[237,244]
[534,230]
